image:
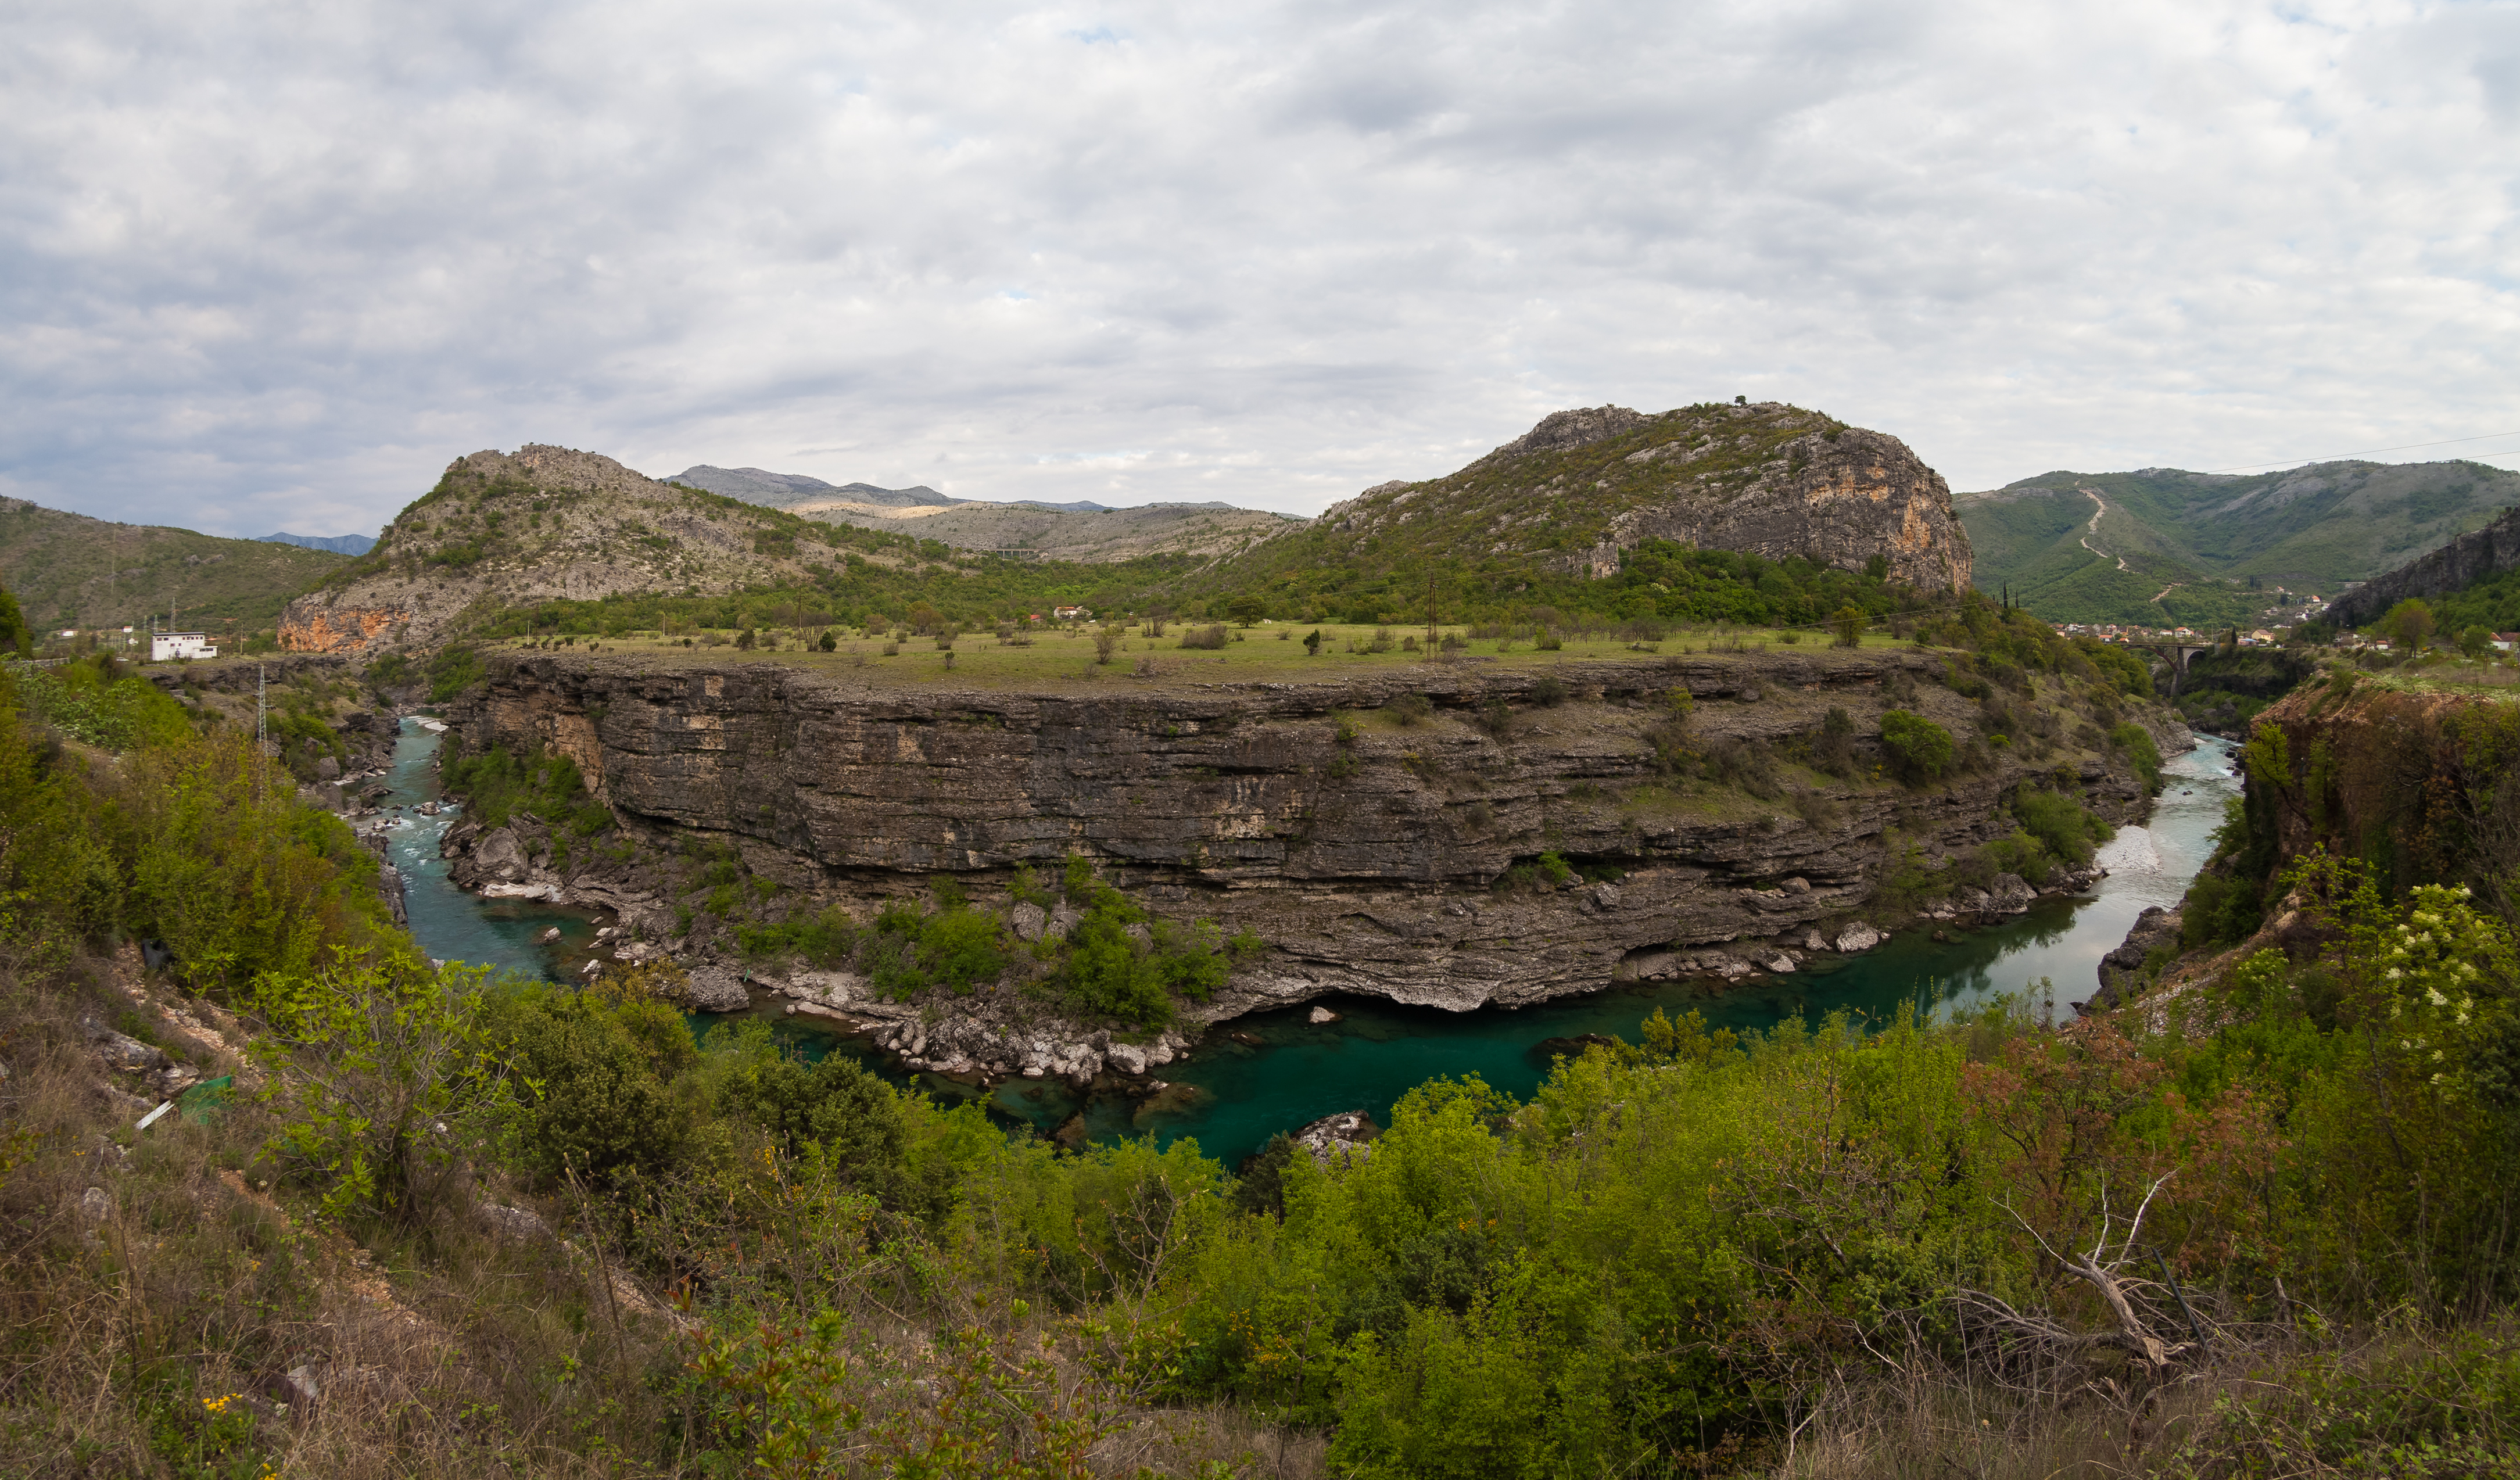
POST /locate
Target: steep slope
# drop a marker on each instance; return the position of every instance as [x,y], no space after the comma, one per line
[544,523]
[69,570]
[2104,546]
[1564,500]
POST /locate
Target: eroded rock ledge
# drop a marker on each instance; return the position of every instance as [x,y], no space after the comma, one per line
[1373,856]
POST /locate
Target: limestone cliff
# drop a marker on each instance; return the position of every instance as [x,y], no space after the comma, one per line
[1375,851]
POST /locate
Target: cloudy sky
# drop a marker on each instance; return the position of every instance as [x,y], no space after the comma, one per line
[273,265]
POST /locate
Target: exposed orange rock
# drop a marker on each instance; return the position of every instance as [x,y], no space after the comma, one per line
[309,628]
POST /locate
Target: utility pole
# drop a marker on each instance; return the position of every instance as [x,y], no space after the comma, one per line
[261,730]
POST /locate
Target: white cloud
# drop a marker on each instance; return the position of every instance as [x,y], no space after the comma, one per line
[266,267]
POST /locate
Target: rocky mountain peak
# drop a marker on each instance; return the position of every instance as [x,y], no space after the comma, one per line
[1560,431]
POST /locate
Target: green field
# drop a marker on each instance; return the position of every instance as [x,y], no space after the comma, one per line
[1265,653]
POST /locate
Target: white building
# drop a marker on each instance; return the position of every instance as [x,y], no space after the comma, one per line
[165,645]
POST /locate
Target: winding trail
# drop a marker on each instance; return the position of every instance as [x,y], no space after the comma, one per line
[2098,509]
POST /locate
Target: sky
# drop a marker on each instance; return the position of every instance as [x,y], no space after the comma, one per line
[273,265]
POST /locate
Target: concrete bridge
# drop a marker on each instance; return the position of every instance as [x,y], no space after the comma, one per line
[2176,654]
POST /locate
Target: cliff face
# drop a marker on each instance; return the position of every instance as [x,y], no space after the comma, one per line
[2419,784]
[2471,557]
[1372,855]
[1835,501]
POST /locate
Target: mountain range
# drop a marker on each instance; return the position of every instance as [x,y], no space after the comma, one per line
[796,491]
[2163,546]
[339,544]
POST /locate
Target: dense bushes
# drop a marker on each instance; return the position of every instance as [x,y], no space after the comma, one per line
[2137,742]
[1112,962]
[497,786]
[2066,828]
[98,701]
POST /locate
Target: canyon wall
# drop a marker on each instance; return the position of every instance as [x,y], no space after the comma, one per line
[1373,853]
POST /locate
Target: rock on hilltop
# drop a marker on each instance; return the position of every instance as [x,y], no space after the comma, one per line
[1571,493]
[540,523]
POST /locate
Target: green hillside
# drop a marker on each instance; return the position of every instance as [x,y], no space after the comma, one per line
[2208,548]
[1524,528]
[67,569]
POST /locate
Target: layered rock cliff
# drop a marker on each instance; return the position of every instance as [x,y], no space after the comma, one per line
[1373,851]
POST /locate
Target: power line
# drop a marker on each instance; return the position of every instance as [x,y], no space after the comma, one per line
[2368,451]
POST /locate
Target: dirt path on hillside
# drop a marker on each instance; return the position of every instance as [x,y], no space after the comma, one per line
[2098,509]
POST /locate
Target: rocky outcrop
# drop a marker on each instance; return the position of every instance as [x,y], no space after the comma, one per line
[311,624]
[997,1032]
[1403,861]
[1834,499]
[1335,1139]
[541,522]
[1581,487]
[2121,970]
[2471,557]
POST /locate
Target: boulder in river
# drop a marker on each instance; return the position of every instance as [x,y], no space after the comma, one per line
[715,989]
[1571,1047]
[1320,1015]
[2008,894]
[1333,1139]
[1858,936]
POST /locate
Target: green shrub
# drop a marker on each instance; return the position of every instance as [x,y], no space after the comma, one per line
[825,939]
[497,786]
[2068,830]
[2137,743]
[452,671]
[593,1073]
[1918,749]
[86,702]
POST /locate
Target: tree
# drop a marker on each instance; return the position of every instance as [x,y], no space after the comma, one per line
[1919,750]
[1848,624]
[2473,642]
[375,1072]
[13,623]
[1246,609]
[1313,643]
[2408,624]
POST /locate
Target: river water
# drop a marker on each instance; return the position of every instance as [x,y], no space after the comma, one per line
[449,924]
[1232,1096]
